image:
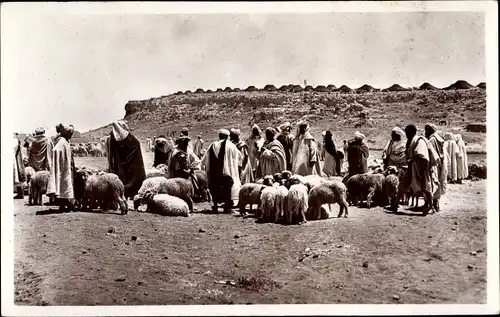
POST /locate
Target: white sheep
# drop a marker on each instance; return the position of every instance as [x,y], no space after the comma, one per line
[281,194]
[267,203]
[38,186]
[105,190]
[178,187]
[329,192]
[249,195]
[166,205]
[297,204]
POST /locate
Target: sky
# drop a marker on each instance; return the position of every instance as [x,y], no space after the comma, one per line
[82,69]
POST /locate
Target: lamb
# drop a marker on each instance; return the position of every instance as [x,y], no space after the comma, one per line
[166,205]
[391,187]
[249,195]
[297,204]
[362,186]
[104,190]
[280,204]
[268,180]
[38,187]
[267,203]
[277,178]
[179,187]
[329,192]
[202,193]
[286,175]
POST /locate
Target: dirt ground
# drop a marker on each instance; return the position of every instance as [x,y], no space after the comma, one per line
[372,257]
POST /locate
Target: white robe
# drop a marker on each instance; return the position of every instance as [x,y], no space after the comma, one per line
[451,150]
[462,161]
[61,178]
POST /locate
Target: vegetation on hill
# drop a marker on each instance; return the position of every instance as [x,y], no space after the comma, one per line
[373,113]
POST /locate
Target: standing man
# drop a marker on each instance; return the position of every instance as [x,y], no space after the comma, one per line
[305,152]
[62,169]
[420,157]
[254,142]
[125,158]
[198,145]
[438,166]
[245,170]
[19,170]
[272,156]
[357,155]
[286,139]
[221,161]
[149,144]
[39,155]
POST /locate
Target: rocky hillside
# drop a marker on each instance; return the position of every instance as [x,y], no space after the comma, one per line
[373,113]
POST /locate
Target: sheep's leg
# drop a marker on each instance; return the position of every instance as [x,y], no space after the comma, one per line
[343,208]
[39,197]
[123,205]
[302,216]
[30,198]
[277,213]
[369,198]
[189,202]
[242,208]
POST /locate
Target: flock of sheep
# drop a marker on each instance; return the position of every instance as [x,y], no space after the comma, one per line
[281,198]
[89,149]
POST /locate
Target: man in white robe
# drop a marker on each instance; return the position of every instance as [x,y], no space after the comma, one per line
[305,157]
[62,169]
[222,161]
[451,152]
[462,161]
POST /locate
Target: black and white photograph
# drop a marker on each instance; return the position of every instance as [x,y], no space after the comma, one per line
[169,158]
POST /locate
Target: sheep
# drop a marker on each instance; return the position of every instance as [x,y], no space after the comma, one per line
[166,205]
[297,204]
[38,186]
[364,186]
[249,195]
[277,178]
[329,192]
[179,187]
[105,190]
[267,203]
[280,204]
[153,172]
[268,180]
[30,171]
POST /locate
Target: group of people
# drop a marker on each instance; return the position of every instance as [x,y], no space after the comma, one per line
[431,160]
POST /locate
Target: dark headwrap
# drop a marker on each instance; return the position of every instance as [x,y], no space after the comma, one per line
[271,133]
[330,145]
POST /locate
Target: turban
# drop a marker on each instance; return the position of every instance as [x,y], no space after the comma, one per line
[431,126]
[323,133]
[183,140]
[359,136]
[224,132]
[285,126]
[40,131]
[184,131]
[235,132]
[66,131]
[399,131]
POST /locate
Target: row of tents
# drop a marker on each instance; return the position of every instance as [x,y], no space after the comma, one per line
[459,85]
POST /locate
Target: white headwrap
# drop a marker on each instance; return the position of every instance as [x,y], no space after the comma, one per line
[120,130]
[359,136]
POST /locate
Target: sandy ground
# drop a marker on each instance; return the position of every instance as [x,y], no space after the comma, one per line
[371,257]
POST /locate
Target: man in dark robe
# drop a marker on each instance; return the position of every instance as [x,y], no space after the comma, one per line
[286,139]
[221,161]
[39,154]
[162,151]
[125,158]
[331,164]
[357,155]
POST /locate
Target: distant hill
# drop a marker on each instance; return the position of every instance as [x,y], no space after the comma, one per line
[460,84]
[375,114]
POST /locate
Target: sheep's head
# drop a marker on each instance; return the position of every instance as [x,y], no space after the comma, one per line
[277,177]
[391,170]
[294,180]
[268,180]
[138,201]
[148,196]
[286,175]
[162,167]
